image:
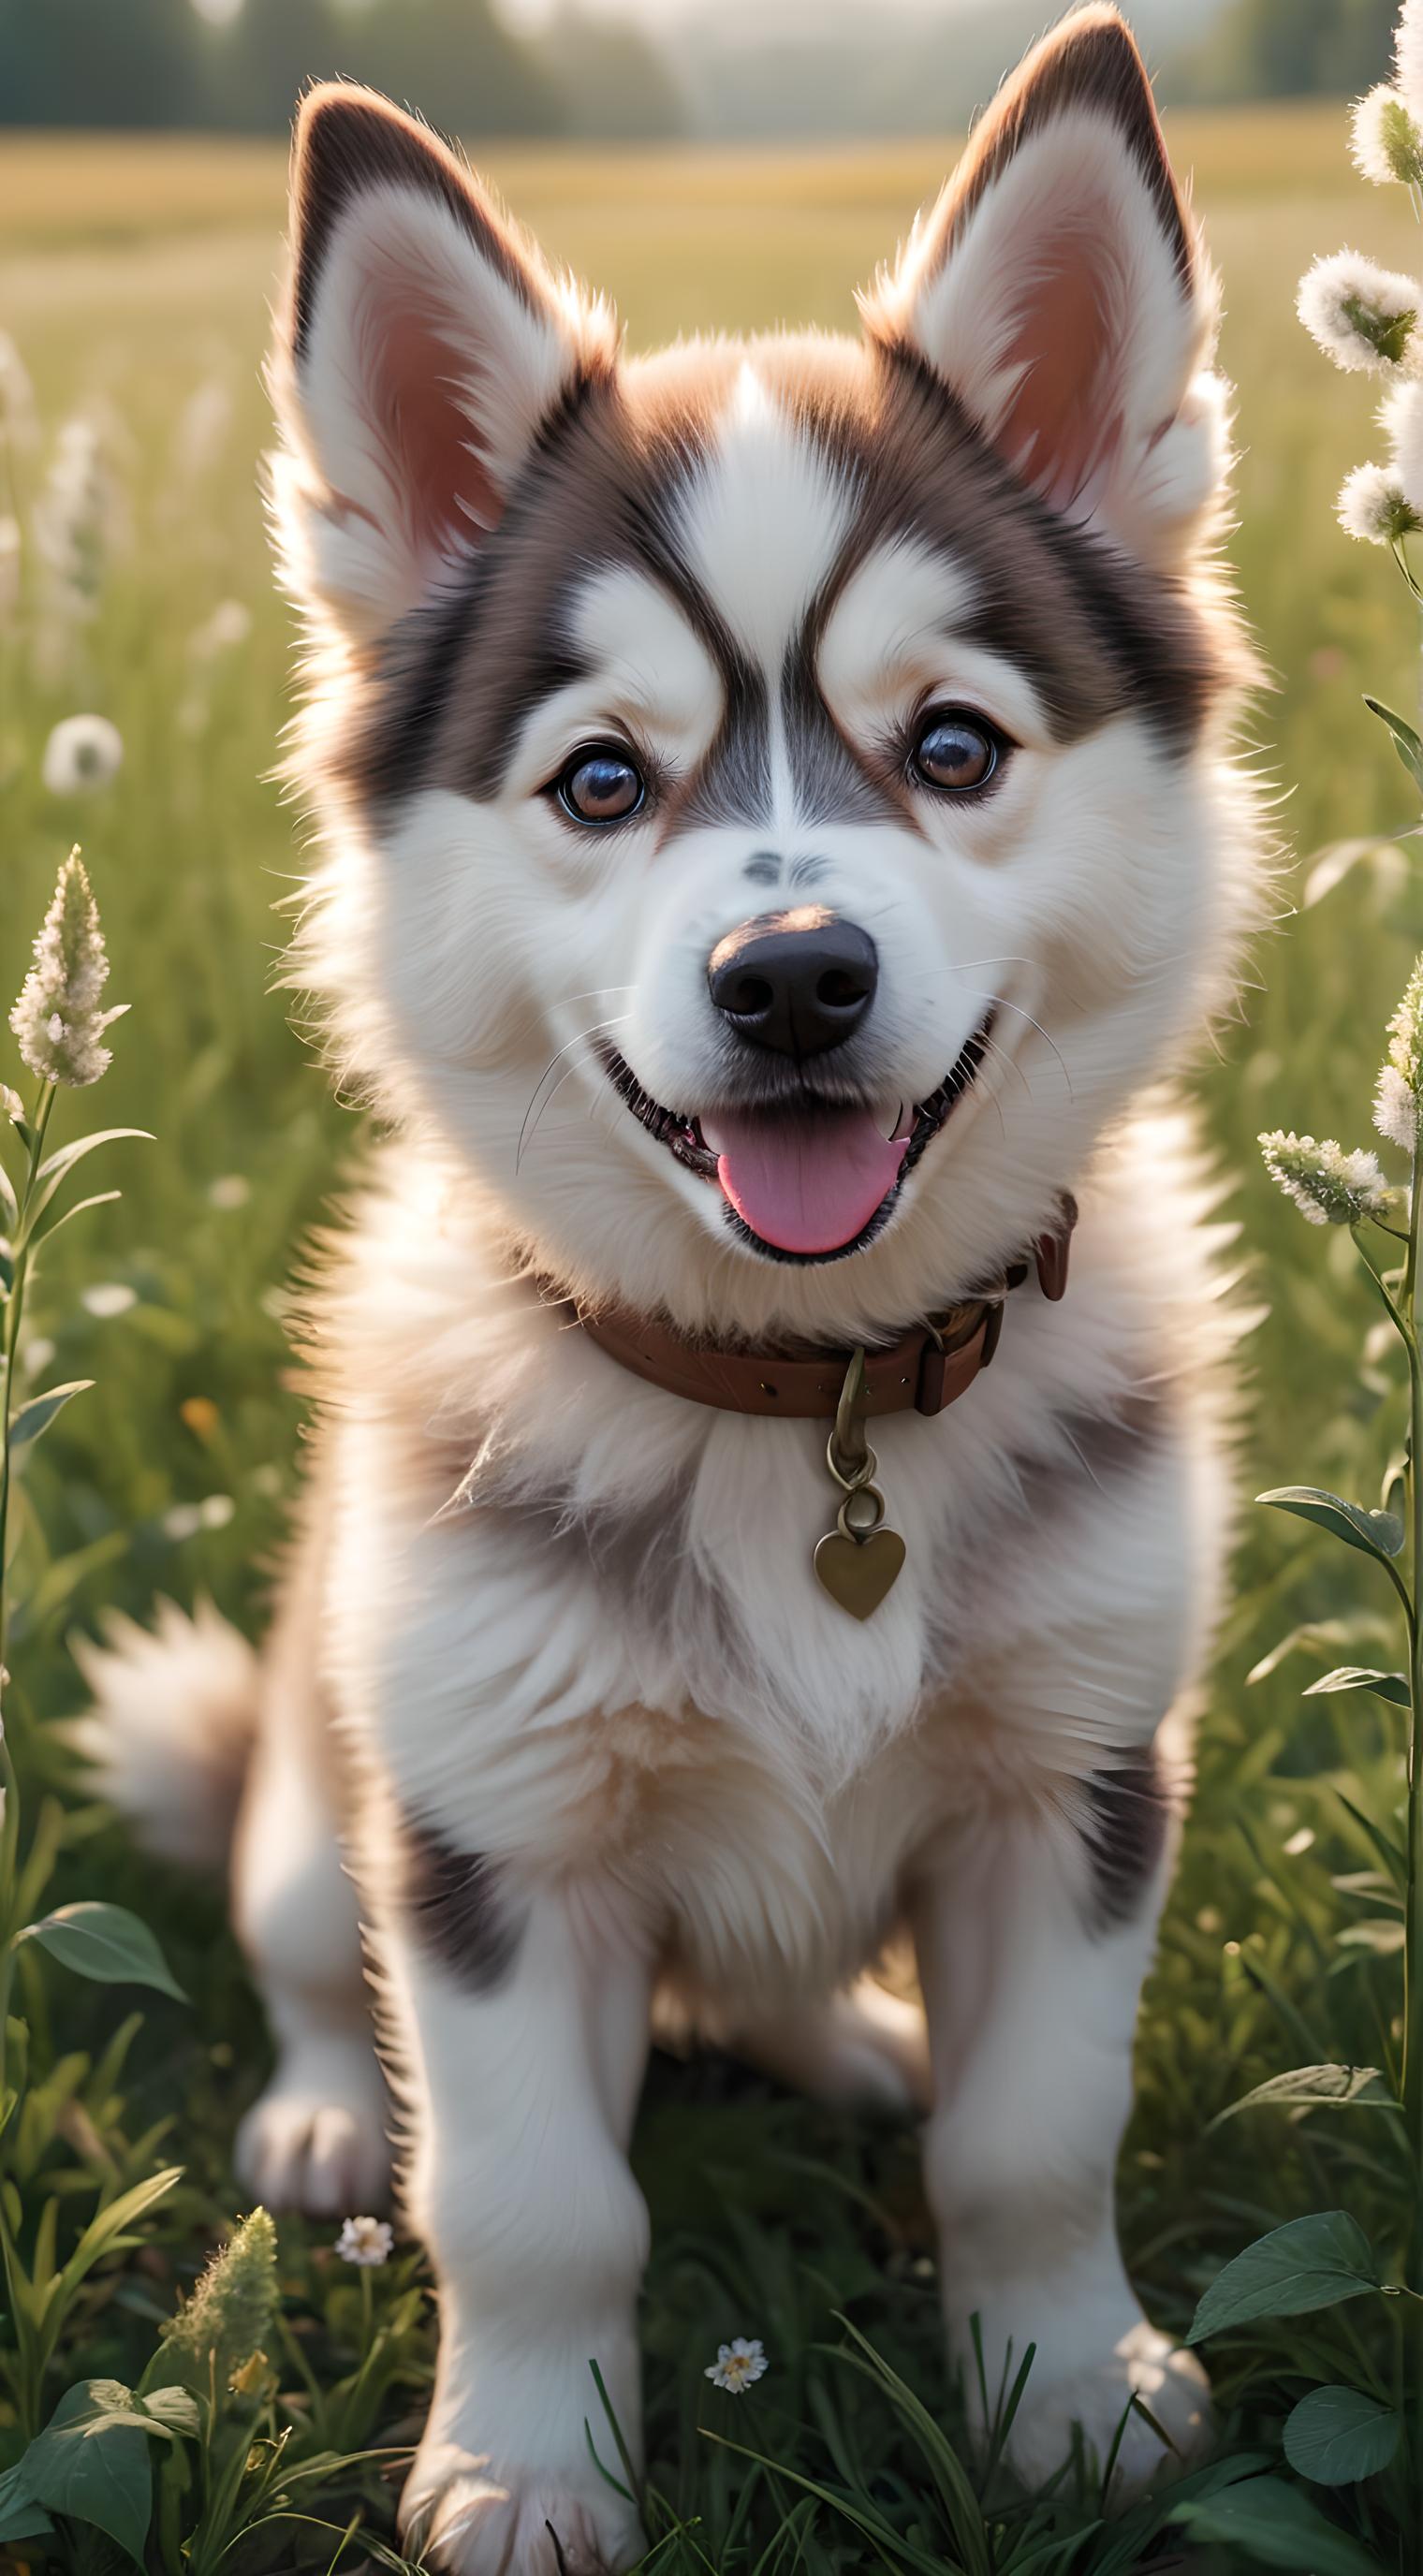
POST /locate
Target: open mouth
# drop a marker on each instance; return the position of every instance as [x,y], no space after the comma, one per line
[810,1181]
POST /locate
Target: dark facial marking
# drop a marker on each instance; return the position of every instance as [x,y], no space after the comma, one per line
[764,869]
[1129,1810]
[831,784]
[454,1903]
[733,784]
[443,701]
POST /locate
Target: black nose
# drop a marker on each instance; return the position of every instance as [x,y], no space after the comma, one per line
[796,981]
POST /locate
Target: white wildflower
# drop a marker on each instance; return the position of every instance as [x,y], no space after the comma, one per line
[1328,1186]
[1398,1101]
[1408,56]
[230,624]
[1402,417]
[57,1019]
[1361,315]
[110,1298]
[183,1521]
[215,1511]
[231,1190]
[1373,505]
[82,753]
[1387,144]
[737,2364]
[19,419]
[9,568]
[1396,1110]
[202,429]
[365,2241]
[35,1356]
[80,521]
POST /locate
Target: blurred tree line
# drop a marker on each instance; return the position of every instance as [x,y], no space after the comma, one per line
[237,66]
[1288,49]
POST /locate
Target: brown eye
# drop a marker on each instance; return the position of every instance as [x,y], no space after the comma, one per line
[954,753]
[601,787]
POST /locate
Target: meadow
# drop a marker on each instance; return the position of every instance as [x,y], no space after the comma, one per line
[134,277]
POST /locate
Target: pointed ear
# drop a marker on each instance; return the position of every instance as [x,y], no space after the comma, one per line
[1059,289]
[423,345]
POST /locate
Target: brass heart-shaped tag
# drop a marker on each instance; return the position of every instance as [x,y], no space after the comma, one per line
[859,1572]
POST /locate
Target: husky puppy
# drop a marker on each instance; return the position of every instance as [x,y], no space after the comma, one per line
[777,830]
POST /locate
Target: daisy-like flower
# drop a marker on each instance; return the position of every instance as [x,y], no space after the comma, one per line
[57,1019]
[737,2364]
[1387,144]
[365,2241]
[1328,1186]
[82,753]
[1373,505]
[1363,317]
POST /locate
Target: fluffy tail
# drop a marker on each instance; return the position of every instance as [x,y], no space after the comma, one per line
[171,1727]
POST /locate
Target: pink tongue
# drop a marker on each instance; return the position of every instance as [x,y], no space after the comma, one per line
[807,1188]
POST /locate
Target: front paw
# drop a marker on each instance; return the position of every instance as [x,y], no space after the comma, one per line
[466,2517]
[1171,2385]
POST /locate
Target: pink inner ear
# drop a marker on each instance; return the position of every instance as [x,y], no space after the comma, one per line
[447,490]
[1062,426]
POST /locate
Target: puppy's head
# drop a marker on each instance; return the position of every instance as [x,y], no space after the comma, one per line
[777,813]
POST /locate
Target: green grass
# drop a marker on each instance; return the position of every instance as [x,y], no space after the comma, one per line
[137,272]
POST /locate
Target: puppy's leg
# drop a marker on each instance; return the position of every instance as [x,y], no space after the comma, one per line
[522,2023]
[317,2140]
[1033,1943]
[863,2046]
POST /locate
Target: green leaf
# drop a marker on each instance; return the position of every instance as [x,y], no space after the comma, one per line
[107,1943]
[1336,2435]
[47,1225]
[34,1418]
[1308,2263]
[1351,1677]
[92,2465]
[1278,2527]
[1390,1852]
[1377,1534]
[1345,2087]
[20,2517]
[1385,1937]
[56,1165]
[111,2221]
[1405,741]
[176,2408]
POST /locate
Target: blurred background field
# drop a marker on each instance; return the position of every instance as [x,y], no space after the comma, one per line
[135,273]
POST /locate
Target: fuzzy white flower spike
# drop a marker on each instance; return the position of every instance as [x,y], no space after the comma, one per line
[1327,1185]
[57,1020]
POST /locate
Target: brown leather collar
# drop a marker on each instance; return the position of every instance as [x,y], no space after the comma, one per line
[927,1368]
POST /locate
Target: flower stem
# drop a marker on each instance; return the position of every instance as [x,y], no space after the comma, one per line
[1412,1302]
[9,1784]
